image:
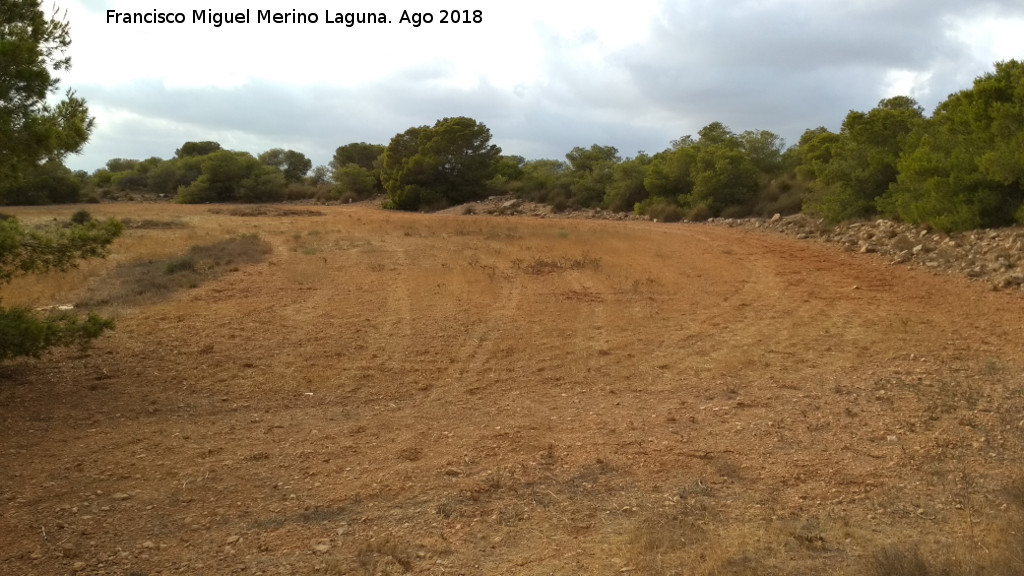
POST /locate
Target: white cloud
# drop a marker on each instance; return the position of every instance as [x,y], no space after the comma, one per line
[544,76]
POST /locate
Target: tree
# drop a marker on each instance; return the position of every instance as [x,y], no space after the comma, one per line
[319,176]
[190,149]
[592,172]
[547,181]
[32,129]
[229,176]
[723,175]
[167,176]
[862,159]
[626,187]
[764,148]
[293,165]
[358,153]
[431,166]
[31,251]
[964,167]
[353,182]
[669,174]
[50,182]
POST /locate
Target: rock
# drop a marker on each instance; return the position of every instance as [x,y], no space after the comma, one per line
[776,218]
[232,539]
[321,546]
[121,496]
[1011,280]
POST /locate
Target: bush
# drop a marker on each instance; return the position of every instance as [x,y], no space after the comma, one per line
[50,183]
[699,212]
[660,209]
[22,333]
[353,182]
[784,195]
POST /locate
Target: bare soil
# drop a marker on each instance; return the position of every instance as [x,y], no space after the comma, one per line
[396,393]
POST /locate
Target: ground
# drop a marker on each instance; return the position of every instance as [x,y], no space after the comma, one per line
[389,393]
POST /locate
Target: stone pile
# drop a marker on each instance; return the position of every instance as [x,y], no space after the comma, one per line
[511,206]
[992,256]
[995,256]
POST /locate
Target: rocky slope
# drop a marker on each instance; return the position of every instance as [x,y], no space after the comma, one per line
[995,256]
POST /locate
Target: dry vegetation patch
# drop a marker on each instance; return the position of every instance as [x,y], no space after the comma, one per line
[273,211]
[148,281]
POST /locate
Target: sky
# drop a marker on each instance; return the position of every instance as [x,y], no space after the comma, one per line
[543,75]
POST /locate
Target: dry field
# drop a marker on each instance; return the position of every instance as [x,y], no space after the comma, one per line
[386,393]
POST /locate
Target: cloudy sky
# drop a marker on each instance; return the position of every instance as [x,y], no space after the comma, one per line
[543,75]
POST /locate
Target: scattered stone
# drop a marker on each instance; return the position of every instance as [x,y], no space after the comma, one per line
[321,546]
[232,539]
[992,256]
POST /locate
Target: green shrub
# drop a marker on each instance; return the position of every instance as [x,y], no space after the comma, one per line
[183,264]
[23,333]
[660,209]
[81,217]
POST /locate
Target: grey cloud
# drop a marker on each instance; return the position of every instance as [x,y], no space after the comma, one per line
[783,69]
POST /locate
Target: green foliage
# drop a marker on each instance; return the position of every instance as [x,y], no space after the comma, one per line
[548,181]
[293,165]
[22,332]
[853,169]
[121,165]
[591,172]
[24,251]
[354,182]
[660,209]
[169,175]
[32,128]
[669,174]
[319,176]
[814,153]
[193,149]
[627,184]
[130,180]
[264,184]
[723,175]
[510,167]
[764,149]
[48,183]
[81,217]
[782,195]
[359,153]
[429,167]
[228,176]
[964,168]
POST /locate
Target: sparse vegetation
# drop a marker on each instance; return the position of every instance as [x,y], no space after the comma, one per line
[149,281]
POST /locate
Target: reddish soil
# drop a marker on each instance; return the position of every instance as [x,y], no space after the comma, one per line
[440,394]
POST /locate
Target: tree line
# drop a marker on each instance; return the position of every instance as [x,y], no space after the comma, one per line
[960,168]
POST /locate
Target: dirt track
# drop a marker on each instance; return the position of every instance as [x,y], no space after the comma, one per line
[395,393]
